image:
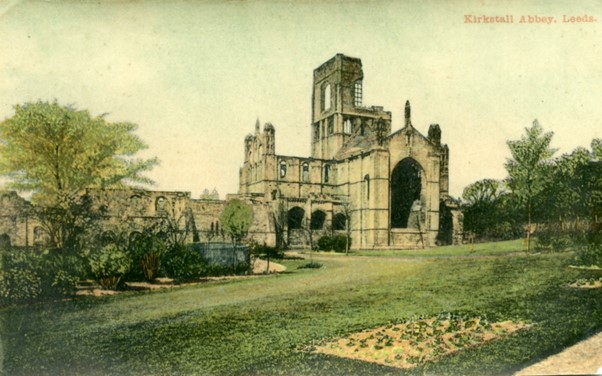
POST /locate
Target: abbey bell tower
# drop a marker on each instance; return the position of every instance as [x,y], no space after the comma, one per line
[337,90]
[338,111]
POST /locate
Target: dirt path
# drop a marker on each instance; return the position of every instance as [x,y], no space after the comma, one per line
[259,266]
[584,358]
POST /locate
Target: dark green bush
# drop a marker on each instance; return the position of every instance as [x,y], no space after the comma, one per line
[310,265]
[590,254]
[263,250]
[221,270]
[19,284]
[335,243]
[108,266]
[146,251]
[182,262]
[28,275]
[555,239]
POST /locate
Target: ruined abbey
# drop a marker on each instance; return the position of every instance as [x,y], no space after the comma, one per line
[386,190]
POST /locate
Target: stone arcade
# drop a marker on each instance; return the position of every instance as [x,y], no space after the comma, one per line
[392,188]
[388,190]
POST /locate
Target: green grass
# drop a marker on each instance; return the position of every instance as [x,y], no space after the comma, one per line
[255,326]
[478,249]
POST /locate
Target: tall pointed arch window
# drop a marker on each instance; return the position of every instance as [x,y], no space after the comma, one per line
[305,172]
[326,97]
[357,93]
[282,169]
[326,173]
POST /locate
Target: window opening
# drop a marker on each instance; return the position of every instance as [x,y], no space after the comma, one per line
[282,169]
[357,94]
[305,172]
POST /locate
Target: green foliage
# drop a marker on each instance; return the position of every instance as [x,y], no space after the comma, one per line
[145,250]
[236,219]
[263,250]
[19,285]
[590,254]
[183,263]
[29,275]
[337,243]
[310,265]
[108,265]
[56,151]
[530,166]
[222,270]
[489,211]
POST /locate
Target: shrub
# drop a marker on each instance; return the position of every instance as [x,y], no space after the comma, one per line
[221,270]
[19,284]
[335,243]
[590,254]
[555,239]
[145,251]
[263,250]
[108,265]
[182,262]
[60,271]
[310,265]
[29,275]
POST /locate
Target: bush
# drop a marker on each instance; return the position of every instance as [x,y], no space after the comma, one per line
[335,243]
[19,285]
[145,251]
[555,239]
[263,250]
[108,265]
[310,265]
[182,262]
[29,275]
[590,254]
[220,270]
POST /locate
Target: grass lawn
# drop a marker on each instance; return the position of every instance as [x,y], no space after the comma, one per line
[255,326]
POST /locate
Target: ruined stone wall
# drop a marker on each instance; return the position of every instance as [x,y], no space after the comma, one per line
[207,213]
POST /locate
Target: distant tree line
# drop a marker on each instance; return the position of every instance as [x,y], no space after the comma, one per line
[557,199]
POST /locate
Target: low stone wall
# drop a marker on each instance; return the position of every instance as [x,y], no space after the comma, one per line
[223,254]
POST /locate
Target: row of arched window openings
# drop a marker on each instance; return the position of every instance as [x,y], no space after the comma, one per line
[304,171]
[326,97]
[348,127]
[296,215]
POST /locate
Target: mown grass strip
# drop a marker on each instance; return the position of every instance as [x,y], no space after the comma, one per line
[255,326]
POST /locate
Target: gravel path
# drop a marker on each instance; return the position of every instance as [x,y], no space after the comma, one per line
[584,358]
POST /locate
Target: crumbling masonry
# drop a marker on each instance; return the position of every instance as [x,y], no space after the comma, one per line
[386,190]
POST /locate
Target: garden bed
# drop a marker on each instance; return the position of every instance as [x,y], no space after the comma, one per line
[410,343]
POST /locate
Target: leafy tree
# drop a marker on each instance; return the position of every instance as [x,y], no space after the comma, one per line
[566,190]
[236,219]
[57,151]
[482,201]
[529,167]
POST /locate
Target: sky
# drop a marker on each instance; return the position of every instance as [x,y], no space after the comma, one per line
[196,75]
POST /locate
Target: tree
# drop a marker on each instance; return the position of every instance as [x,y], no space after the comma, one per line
[347,211]
[484,209]
[236,219]
[529,167]
[58,151]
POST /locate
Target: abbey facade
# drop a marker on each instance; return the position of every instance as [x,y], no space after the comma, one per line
[387,190]
[383,189]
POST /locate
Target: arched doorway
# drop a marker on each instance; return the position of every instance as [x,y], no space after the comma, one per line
[296,233]
[317,220]
[295,218]
[339,222]
[406,186]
